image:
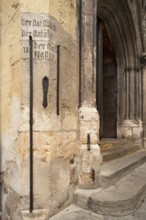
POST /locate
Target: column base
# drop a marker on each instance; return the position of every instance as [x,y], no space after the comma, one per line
[131,130]
[89,152]
[89,167]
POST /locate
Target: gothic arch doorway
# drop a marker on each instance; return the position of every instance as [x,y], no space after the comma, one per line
[106,83]
[123,31]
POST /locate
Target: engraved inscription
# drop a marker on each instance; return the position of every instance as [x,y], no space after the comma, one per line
[43,30]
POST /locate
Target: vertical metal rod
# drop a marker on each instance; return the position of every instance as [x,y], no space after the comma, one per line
[0,178]
[58,79]
[31,122]
[88,142]
[93,174]
[80,50]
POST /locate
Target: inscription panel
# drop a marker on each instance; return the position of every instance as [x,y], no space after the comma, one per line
[43,29]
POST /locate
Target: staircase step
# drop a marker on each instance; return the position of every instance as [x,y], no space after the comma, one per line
[114,170]
[73,212]
[122,198]
[107,143]
[118,151]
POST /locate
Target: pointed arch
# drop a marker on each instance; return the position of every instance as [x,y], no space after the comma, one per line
[118,19]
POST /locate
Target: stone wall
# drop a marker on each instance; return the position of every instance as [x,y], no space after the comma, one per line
[52,25]
[10,94]
[66,153]
[131,130]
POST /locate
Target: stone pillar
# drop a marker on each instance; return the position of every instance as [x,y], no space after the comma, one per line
[89,162]
[88,52]
[131,126]
[143,18]
[144,106]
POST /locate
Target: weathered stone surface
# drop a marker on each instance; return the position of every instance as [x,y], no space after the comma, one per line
[89,124]
[119,151]
[4,216]
[144,104]
[46,187]
[12,206]
[60,141]
[69,121]
[64,11]
[41,214]
[116,169]
[131,130]
[117,200]
[89,166]
[88,48]
[89,153]
[73,213]
[55,143]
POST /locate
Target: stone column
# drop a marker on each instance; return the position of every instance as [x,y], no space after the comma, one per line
[89,162]
[131,126]
[144,106]
[143,59]
[88,52]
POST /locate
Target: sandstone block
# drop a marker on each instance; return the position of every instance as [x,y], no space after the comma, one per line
[89,166]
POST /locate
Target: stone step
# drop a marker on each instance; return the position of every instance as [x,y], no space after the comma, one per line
[122,198]
[117,150]
[112,171]
[107,143]
[75,213]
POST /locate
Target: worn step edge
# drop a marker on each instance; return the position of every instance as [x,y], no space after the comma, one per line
[111,209]
[120,208]
[112,142]
[108,180]
[117,153]
[89,200]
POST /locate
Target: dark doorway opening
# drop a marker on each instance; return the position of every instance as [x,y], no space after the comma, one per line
[106,83]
